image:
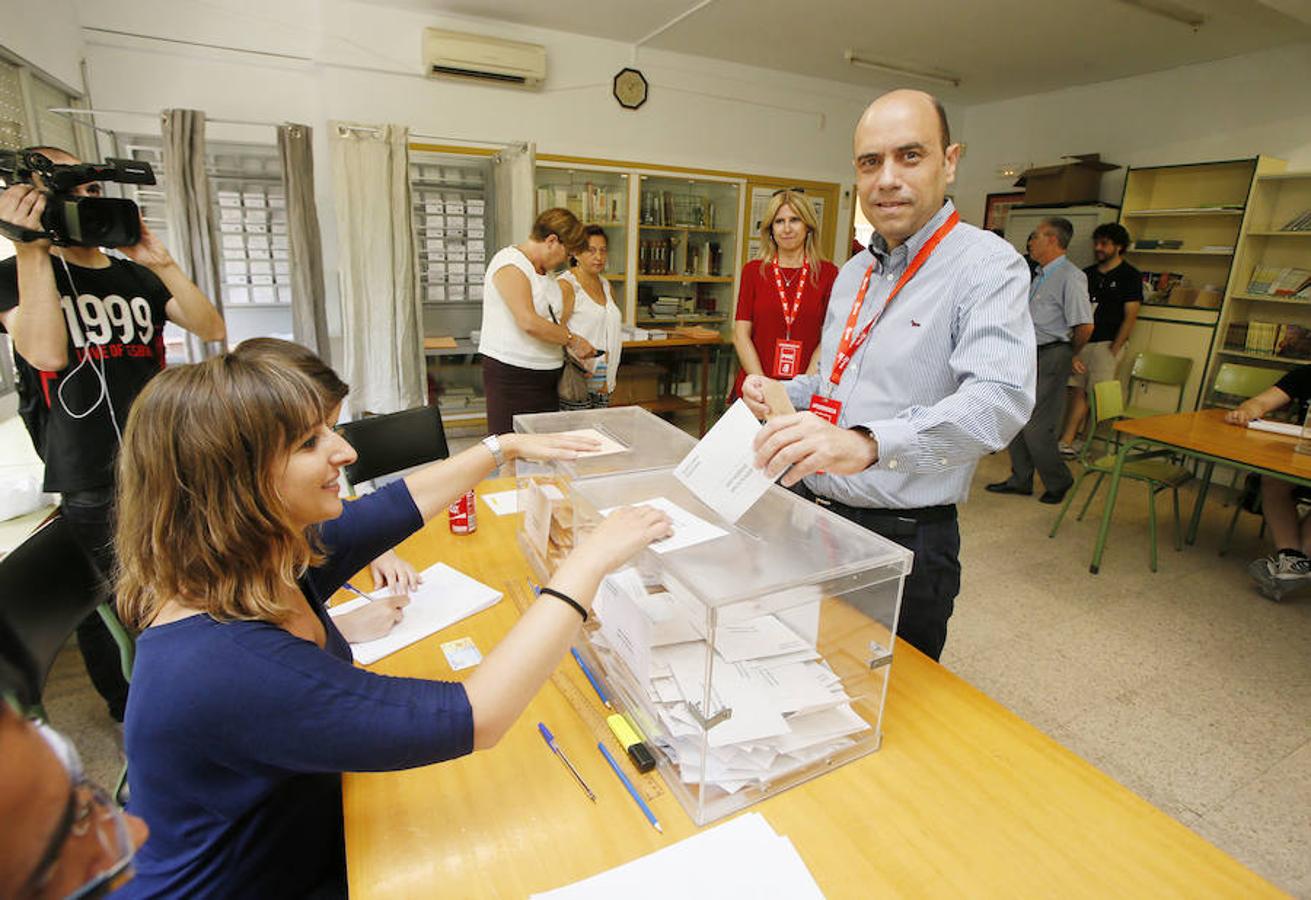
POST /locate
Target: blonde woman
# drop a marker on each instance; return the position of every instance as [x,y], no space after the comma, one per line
[591,312]
[522,349]
[783,295]
[245,706]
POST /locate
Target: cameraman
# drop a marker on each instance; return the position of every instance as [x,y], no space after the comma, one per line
[88,347]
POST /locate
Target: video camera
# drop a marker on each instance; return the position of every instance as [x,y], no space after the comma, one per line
[70,220]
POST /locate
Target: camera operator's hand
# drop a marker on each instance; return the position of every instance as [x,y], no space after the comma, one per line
[149,251]
[22,205]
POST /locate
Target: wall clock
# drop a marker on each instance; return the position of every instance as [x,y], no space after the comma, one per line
[630,88]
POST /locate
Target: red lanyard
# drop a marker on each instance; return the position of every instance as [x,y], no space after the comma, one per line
[851,342]
[790,315]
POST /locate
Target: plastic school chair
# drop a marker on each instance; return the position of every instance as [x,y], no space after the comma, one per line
[394,442]
[1149,467]
[1157,368]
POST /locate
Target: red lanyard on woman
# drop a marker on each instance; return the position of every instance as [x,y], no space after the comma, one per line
[851,342]
[790,315]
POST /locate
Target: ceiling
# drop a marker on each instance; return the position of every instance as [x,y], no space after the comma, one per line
[998,48]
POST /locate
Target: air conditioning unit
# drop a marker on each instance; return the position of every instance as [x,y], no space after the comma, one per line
[477,57]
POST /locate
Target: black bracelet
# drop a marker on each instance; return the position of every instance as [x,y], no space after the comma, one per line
[567,599]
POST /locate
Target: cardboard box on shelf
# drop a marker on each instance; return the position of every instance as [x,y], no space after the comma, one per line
[637,382]
[1078,181]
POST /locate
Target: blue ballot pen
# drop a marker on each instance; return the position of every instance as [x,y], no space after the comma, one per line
[357,592]
[637,798]
[596,683]
[550,742]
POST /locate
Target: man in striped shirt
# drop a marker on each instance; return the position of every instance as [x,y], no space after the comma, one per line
[946,374]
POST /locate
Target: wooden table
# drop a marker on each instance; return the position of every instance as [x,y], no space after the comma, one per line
[964,798]
[1207,437]
[704,345]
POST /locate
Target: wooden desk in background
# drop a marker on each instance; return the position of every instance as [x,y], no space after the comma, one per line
[671,402]
[964,798]
[1205,436]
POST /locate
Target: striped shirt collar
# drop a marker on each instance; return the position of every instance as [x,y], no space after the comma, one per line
[909,247]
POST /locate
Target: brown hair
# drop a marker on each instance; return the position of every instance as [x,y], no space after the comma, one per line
[200,521]
[300,358]
[801,206]
[564,225]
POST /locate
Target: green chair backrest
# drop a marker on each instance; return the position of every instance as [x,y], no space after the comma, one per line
[1161,368]
[1107,401]
[1245,381]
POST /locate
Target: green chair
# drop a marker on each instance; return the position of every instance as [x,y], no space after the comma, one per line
[1243,382]
[1149,466]
[1157,368]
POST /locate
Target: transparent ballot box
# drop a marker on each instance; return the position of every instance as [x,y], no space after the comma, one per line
[750,656]
[633,440]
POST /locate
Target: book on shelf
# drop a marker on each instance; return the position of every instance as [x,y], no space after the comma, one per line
[592,203]
[1299,222]
[1291,281]
[1236,336]
[1280,281]
[1294,342]
[1261,337]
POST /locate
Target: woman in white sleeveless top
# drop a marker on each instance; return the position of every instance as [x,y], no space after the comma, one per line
[590,311]
[522,348]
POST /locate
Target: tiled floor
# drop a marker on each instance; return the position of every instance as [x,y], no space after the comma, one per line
[1185,685]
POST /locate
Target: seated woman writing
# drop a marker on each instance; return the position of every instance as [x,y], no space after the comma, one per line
[245,706]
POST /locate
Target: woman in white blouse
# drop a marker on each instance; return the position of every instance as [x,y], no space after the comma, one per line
[522,348]
[590,311]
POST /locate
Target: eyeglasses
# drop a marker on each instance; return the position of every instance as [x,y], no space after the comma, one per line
[792,190]
[602,249]
[89,806]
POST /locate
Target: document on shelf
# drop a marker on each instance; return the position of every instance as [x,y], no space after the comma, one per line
[608,444]
[742,859]
[445,597]
[721,468]
[689,530]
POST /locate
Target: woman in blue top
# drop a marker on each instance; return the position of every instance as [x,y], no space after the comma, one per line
[245,706]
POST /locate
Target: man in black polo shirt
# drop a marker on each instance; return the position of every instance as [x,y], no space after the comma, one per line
[1116,290]
[88,331]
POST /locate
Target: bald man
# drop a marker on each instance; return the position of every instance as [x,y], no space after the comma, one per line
[926,362]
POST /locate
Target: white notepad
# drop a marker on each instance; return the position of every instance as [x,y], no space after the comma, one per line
[445,597]
[1292,429]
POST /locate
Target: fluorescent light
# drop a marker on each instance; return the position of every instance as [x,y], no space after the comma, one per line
[1167,9]
[892,69]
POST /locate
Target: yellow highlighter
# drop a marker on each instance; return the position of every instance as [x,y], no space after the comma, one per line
[637,751]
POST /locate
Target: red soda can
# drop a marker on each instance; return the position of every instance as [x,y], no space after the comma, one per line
[463,515]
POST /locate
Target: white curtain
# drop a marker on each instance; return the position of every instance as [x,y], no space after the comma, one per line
[190,211]
[383,354]
[309,321]
[515,192]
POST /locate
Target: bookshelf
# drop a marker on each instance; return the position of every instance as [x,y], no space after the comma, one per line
[1267,315]
[597,196]
[1198,211]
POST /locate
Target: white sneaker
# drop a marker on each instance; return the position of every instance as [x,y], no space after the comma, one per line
[1068,451]
[1280,573]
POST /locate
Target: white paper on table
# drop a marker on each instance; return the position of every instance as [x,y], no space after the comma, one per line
[625,626]
[688,529]
[503,503]
[1292,429]
[721,468]
[754,638]
[445,597]
[608,444]
[742,859]
[537,518]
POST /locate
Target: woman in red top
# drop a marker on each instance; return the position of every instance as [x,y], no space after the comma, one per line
[784,294]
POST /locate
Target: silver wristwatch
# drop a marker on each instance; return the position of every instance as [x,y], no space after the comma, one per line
[493,445]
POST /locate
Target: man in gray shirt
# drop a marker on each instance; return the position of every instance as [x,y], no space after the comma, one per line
[1062,321]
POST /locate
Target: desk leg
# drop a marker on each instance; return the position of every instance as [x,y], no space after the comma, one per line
[1201,501]
[1110,506]
[705,386]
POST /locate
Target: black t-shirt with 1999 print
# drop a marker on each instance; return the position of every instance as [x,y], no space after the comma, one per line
[115,324]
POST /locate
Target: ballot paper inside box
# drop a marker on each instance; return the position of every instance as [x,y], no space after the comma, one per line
[633,440]
[752,655]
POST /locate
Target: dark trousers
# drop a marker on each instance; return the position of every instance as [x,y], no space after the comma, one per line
[1037,446]
[511,390]
[90,515]
[929,594]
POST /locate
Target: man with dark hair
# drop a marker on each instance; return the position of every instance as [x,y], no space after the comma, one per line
[933,371]
[1062,321]
[1116,291]
[88,333]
